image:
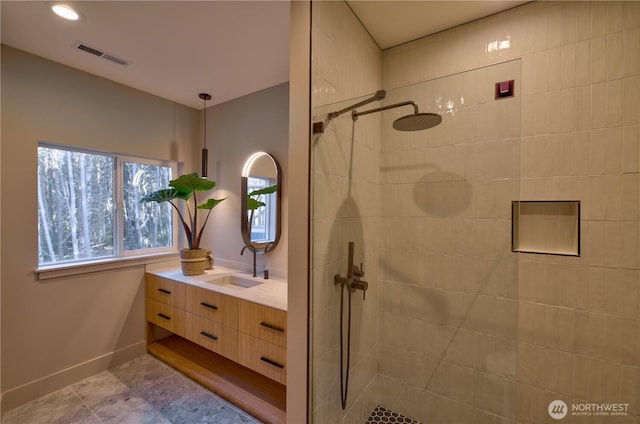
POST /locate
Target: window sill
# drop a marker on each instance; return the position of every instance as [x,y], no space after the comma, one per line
[66,270]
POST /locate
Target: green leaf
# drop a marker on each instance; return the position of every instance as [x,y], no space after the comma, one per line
[184,187]
[165,195]
[266,190]
[211,203]
[192,182]
[253,204]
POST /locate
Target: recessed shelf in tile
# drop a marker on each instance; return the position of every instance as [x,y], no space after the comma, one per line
[550,227]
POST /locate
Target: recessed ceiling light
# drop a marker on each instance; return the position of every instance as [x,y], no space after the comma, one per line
[65,12]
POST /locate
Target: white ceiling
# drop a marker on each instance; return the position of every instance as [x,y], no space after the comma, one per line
[177,49]
[395,22]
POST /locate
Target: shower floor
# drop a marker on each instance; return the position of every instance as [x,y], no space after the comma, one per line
[382,415]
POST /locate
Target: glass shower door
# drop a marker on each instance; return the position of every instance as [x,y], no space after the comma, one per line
[429,212]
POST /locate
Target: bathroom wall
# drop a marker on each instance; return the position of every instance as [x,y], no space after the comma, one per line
[577,334]
[235,130]
[168,131]
[61,330]
[345,203]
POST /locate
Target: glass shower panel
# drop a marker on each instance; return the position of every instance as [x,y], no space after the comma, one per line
[429,211]
[346,204]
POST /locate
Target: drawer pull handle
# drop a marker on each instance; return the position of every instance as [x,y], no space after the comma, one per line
[211,336]
[165,291]
[208,305]
[164,316]
[270,362]
[272,327]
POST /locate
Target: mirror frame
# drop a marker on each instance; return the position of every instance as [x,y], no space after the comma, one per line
[262,247]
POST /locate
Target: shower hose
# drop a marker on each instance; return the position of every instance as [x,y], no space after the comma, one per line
[344,381]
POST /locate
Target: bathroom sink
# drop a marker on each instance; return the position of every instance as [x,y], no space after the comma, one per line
[234,281]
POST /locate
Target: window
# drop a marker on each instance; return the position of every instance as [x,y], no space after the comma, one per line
[263,217]
[89,205]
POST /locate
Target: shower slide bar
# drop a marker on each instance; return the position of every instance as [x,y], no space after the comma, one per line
[352,283]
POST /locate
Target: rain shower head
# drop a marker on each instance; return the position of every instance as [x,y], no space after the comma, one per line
[414,122]
[417,122]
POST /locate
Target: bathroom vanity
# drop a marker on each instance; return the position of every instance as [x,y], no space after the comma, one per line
[225,330]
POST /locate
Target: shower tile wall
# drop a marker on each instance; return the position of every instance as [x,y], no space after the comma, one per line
[448,320]
[578,317]
[346,200]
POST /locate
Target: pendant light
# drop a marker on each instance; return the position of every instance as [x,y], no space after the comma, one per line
[205,152]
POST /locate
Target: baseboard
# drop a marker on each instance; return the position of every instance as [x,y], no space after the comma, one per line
[33,390]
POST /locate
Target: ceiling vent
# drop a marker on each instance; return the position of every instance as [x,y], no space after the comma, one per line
[97,52]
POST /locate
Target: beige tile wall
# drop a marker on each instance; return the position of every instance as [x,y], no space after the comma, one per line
[346,64]
[577,333]
[448,319]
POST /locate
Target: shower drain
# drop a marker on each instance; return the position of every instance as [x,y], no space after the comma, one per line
[382,415]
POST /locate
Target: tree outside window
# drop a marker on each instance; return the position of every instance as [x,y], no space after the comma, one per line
[89,205]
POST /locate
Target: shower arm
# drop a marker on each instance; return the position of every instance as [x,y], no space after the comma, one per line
[380,94]
[318,127]
[355,114]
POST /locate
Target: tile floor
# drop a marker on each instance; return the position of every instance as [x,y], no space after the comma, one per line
[141,391]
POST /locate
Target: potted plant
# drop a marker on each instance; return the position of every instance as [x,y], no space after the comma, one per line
[193,259]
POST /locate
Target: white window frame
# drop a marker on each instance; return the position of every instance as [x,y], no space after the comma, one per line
[121,159]
[119,253]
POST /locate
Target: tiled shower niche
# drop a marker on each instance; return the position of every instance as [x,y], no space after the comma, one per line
[550,227]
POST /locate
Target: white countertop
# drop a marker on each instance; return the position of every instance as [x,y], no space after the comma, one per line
[271,292]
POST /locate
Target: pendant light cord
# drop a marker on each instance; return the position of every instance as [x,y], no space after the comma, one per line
[204,139]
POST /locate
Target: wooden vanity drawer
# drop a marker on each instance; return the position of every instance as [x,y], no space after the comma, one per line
[266,358]
[213,336]
[166,291]
[166,316]
[213,306]
[265,323]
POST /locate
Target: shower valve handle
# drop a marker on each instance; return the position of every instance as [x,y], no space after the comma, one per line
[358,272]
[360,285]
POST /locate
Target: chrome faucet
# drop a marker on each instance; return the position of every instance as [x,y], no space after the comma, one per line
[352,280]
[253,249]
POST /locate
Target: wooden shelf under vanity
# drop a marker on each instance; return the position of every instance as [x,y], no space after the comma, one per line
[260,396]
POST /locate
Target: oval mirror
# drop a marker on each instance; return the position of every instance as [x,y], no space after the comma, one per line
[260,202]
